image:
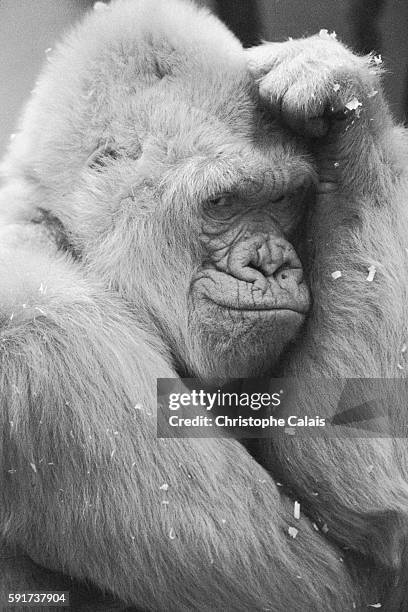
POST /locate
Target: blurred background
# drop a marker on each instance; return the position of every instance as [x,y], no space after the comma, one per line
[29,27]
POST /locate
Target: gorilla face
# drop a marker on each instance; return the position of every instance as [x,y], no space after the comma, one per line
[248,297]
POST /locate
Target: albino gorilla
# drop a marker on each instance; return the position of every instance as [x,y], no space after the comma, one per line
[153,202]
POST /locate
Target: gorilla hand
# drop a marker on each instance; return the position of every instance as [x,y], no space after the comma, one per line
[310,81]
[321,90]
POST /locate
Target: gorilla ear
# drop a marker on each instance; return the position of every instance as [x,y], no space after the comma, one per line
[161,65]
[102,157]
[108,151]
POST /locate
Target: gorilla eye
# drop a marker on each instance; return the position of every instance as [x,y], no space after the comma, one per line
[220,207]
[280,199]
[221,200]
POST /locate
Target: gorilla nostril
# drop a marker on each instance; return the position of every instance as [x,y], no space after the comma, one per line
[287,276]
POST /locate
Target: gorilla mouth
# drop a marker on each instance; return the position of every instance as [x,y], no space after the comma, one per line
[230,293]
[277,308]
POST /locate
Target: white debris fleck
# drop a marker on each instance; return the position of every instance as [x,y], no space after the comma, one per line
[372,93]
[376,605]
[138,407]
[100,6]
[315,527]
[164,487]
[335,275]
[12,316]
[12,137]
[326,34]
[172,534]
[400,367]
[33,467]
[42,288]
[377,59]
[296,510]
[371,273]
[11,471]
[223,521]
[48,50]
[404,348]
[353,104]
[290,431]
[279,484]
[336,87]
[336,164]
[165,502]
[370,468]
[325,528]
[112,453]
[292,531]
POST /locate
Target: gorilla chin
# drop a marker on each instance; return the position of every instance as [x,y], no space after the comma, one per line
[240,342]
[217,354]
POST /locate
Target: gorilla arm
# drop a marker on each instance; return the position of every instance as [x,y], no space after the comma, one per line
[358,327]
[81,466]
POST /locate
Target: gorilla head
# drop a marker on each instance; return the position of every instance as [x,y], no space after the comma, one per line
[172,184]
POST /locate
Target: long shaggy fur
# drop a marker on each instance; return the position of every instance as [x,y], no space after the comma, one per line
[145,110]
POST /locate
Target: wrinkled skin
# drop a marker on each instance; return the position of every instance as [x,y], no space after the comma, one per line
[251,282]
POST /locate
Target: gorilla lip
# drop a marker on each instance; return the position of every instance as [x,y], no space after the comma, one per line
[260,307]
[233,294]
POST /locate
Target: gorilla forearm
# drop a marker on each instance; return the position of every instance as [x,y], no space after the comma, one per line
[71,470]
[360,225]
[358,326]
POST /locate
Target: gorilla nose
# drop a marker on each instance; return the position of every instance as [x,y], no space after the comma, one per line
[265,258]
